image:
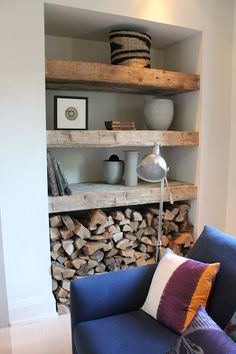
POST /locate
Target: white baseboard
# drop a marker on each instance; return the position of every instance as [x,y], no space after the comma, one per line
[32,310]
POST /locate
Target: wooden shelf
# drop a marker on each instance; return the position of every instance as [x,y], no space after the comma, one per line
[111,138]
[78,75]
[100,195]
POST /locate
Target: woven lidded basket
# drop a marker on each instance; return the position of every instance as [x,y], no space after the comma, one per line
[130,48]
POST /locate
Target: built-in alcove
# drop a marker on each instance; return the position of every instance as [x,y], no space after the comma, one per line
[73,34]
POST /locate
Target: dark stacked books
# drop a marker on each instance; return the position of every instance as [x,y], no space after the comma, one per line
[117,125]
[57,182]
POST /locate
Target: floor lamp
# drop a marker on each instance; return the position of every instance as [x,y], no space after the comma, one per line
[153,168]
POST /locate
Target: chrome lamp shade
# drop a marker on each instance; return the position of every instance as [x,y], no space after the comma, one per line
[153,168]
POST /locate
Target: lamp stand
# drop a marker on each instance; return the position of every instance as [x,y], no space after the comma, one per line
[159,230]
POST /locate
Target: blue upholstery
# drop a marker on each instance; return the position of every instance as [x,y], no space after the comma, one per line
[130,333]
[215,246]
[105,315]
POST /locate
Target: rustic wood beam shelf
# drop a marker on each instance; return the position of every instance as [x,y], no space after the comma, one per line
[78,75]
[100,195]
[111,138]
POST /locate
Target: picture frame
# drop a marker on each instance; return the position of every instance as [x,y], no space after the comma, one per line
[70,113]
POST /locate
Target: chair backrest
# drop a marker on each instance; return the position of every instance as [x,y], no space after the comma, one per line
[216,246]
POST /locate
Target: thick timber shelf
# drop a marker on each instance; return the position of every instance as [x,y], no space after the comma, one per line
[112,138]
[100,195]
[79,75]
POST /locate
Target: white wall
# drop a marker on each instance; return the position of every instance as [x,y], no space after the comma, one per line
[231,214]
[23,161]
[22,131]
[4,317]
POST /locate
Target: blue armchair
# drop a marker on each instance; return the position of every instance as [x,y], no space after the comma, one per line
[105,310]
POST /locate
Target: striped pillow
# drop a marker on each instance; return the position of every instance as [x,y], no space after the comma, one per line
[179,286]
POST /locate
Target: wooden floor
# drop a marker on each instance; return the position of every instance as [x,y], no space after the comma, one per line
[44,337]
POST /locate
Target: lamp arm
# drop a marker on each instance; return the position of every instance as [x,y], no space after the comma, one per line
[159,230]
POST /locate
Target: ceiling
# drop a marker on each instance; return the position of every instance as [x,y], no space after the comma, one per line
[77,23]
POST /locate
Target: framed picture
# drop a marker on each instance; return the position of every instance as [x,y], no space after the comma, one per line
[70,112]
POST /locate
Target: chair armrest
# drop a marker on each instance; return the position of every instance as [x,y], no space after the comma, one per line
[109,294]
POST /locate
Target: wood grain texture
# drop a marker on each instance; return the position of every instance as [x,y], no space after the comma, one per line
[100,195]
[74,75]
[110,138]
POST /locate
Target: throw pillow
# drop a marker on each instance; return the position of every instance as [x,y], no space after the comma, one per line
[230,329]
[203,335]
[178,287]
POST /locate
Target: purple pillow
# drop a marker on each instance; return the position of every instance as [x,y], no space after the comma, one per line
[203,336]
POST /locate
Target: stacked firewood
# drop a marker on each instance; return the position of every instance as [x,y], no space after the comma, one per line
[103,242]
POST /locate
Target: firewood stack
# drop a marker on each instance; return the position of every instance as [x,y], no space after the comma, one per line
[104,242]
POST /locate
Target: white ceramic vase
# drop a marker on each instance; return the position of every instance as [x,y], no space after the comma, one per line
[158,113]
[113,171]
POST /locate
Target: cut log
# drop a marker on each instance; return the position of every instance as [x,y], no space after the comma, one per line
[171,214]
[68,273]
[151,249]
[127,228]
[148,217]
[62,309]
[134,225]
[183,210]
[143,224]
[77,263]
[66,285]
[123,222]
[151,260]
[107,246]
[97,256]
[62,259]
[165,240]
[68,246]
[123,244]
[54,233]
[97,217]
[105,236]
[100,268]
[68,222]
[81,231]
[117,237]
[139,233]
[57,271]
[173,227]
[129,260]
[79,243]
[92,264]
[91,247]
[65,233]
[142,247]
[60,292]
[147,241]
[55,221]
[128,213]
[140,262]
[130,237]
[118,215]
[129,252]
[137,216]
[149,231]
[114,251]
[75,254]
[54,284]
[185,237]
[175,248]
[102,228]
